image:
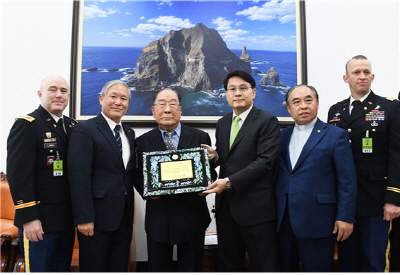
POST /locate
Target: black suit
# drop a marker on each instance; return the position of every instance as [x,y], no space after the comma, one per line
[37,193]
[175,219]
[378,177]
[250,203]
[102,192]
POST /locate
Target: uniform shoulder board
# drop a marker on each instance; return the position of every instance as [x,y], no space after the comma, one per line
[76,122]
[335,103]
[26,117]
[391,99]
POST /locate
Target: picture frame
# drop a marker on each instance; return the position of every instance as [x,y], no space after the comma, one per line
[176,172]
[236,24]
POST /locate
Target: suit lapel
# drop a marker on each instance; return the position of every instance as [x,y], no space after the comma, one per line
[156,140]
[185,140]
[316,135]
[130,134]
[285,140]
[104,128]
[225,130]
[345,111]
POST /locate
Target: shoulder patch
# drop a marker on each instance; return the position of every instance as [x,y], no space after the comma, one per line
[391,99]
[26,117]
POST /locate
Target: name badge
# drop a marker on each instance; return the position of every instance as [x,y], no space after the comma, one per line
[57,168]
[50,145]
[367,145]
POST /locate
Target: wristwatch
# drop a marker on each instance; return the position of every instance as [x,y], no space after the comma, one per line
[228,184]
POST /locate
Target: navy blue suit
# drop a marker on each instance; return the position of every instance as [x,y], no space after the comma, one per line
[319,190]
[102,192]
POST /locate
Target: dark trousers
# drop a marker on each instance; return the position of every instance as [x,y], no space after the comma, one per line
[106,251]
[259,240]
[315,255]
[366,250]
[395,246]
[190,255]
[52,254]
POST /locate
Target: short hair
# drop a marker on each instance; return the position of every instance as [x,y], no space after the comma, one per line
[242,74]
[358,57]
[176,92]
[112,83]
[301,85]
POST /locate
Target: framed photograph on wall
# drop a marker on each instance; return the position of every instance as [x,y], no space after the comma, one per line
[189,46]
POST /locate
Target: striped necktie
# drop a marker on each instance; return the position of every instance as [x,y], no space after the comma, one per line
[118,137]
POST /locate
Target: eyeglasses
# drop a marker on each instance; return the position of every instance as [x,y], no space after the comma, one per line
[163,105]
[241,89]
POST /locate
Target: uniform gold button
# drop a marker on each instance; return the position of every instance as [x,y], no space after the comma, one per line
[349,130]
[38,202]
[385,178]
[373,130]
[350,140]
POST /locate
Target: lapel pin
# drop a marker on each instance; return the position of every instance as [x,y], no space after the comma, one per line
[48,119]
[319,131]
[369,102]
[48,134]
[55,126]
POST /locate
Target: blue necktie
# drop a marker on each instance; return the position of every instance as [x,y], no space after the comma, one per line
[168,142]
[118,137]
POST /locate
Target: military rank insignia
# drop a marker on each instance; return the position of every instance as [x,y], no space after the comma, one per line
[375,115]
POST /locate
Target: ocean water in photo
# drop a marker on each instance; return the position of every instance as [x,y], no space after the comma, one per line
[116,63]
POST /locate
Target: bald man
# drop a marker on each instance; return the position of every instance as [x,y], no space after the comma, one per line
[36,171]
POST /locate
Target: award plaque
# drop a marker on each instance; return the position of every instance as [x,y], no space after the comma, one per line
[176,171]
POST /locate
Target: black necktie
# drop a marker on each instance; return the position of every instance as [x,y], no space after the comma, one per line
[118,137]
[356,109]
[168,142]
[60,123]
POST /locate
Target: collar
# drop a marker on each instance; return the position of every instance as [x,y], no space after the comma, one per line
[111,122]
[177,130]
[362,99]
[307,126]
[243,115]
[56,118]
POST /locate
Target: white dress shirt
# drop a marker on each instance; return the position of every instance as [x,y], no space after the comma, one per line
[126,148]
[299,137]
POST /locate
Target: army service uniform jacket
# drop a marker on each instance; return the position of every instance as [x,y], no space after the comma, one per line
[34,143]
[378,170]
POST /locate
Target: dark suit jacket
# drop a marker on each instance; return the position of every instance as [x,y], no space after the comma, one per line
[36,192]
[100,185]
[249,164]
[377,172]
[174,218]
[322,187]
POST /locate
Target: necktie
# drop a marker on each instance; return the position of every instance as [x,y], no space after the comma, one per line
[168,142]
[356,108]
[60,123]
[235,130]
[118,137]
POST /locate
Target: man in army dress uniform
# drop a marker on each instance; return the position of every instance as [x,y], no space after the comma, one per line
[37,174]
[373,124]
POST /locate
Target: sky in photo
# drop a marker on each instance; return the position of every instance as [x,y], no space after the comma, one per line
[258,25]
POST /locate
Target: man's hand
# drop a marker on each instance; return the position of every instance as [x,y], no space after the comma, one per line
[86,229]
[343,230]
[390,211]
[33,231]
[212,154]
[216,187]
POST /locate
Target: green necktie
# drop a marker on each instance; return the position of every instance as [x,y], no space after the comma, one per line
[235,130]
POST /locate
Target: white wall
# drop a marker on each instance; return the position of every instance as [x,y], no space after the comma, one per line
[36,40]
